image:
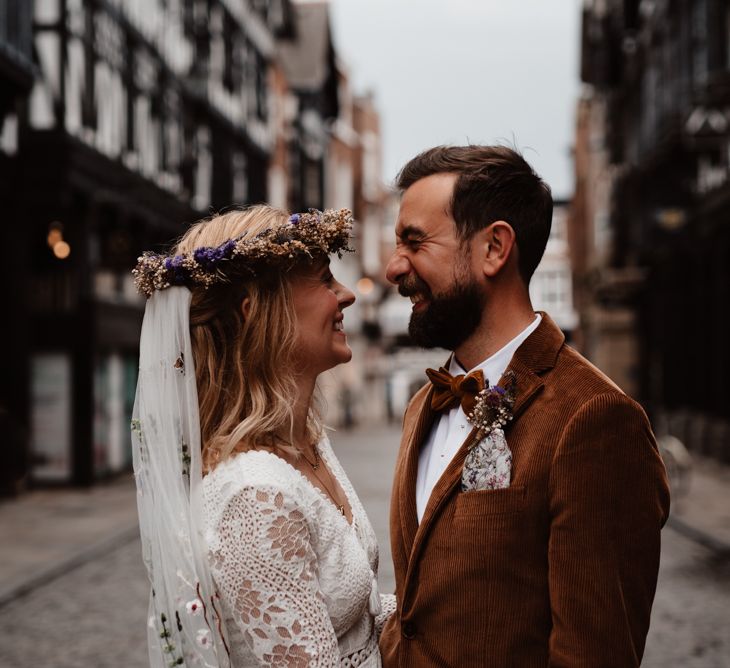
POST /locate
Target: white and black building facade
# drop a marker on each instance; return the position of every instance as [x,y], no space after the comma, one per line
[143,116]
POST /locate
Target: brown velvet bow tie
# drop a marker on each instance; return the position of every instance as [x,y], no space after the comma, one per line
[448,390]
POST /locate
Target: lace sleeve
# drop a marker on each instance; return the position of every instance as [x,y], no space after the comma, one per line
[266,569]
[387,608]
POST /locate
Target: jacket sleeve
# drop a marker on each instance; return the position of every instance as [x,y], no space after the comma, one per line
[609,499]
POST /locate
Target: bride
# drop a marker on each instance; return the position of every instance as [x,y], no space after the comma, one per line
[257,547]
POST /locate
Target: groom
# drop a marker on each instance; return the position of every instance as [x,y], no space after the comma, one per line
[534,542]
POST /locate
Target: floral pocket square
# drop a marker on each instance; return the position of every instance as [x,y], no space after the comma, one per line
[488,464]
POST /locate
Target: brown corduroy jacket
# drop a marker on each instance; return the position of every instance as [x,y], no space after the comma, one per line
[560,568]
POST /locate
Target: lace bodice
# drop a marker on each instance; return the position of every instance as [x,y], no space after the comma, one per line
[297,581]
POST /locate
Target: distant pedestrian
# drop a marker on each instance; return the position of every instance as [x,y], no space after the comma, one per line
[529,494]
[258,549]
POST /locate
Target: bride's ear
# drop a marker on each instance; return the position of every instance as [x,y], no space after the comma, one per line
[246,307]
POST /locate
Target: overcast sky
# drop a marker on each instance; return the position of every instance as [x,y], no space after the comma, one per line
[457,71]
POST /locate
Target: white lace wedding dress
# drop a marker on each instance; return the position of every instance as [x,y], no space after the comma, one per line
[296,580]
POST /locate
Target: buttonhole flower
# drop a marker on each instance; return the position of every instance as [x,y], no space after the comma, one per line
[493,407]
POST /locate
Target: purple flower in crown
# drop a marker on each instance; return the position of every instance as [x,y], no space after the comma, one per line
[177,272]
[204,256]
[208,257]
[294,219]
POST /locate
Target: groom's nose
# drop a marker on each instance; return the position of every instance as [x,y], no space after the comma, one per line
[398,267]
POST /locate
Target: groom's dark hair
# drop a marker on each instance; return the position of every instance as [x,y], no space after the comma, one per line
[493,183]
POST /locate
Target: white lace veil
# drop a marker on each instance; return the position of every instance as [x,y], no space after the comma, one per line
[185,626]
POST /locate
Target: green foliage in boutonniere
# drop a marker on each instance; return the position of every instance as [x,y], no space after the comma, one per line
[493,407]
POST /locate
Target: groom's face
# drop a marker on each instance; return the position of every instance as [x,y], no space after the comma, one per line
[434,268]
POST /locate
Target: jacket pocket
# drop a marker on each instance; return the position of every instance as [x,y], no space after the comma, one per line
[488,502]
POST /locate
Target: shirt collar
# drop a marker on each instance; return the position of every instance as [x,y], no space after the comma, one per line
[494,366]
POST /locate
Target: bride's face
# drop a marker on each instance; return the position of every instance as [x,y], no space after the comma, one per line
[319,300]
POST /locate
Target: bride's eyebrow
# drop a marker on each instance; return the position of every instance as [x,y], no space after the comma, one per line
[317,269]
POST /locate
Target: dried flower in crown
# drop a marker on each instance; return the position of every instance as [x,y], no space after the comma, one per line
[304,235]
[493,407]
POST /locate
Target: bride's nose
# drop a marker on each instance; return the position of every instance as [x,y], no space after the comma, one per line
[345,296]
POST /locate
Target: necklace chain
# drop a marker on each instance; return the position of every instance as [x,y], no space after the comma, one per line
[314,466]
[317,458]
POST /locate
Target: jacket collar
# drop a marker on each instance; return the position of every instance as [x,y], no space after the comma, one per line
[537,354]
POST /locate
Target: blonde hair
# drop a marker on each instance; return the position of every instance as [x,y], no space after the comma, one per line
[246,390]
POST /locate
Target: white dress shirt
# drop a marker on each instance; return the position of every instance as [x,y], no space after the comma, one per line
[451,429]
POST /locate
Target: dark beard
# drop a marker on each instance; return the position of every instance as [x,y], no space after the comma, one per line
[449,319]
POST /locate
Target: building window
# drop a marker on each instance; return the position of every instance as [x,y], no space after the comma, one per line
[240,177]
[261,89]
[311,179]
[229,54]
[699,42]
[557,228]
[276,14]
[727,38]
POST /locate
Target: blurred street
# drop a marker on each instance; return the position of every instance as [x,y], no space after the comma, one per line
[94,614]
[691,611]
[123,122]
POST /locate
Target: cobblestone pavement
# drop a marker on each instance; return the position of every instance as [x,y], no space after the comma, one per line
[369,459]
[690,623]
[95,615]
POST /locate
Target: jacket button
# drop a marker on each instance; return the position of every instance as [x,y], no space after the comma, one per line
[409,630]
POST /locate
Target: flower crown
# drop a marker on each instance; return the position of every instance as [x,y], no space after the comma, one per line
[304,235]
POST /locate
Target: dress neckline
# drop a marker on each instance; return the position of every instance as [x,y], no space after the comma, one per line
[330,503]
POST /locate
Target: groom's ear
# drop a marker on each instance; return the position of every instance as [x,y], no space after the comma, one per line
[497,247]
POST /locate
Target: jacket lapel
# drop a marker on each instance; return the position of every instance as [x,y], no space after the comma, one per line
[446,483]
[528,384]
[537,354]
[407,496]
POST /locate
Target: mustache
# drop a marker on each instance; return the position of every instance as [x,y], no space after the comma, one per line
[412,285]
